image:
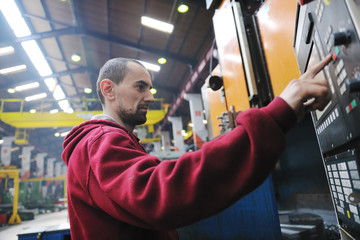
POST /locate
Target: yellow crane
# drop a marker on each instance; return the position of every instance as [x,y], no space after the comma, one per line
[24,120]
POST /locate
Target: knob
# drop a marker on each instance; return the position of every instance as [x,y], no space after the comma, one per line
[354,197]
[353,85]
[342,38]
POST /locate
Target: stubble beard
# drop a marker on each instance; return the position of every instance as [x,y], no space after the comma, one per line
[133,119]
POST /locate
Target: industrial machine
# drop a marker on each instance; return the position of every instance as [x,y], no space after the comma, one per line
[333,27]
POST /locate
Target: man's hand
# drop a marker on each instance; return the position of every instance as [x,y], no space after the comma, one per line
[308,93]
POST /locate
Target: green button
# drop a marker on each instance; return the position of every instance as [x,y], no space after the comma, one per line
[337,51]
[353,103]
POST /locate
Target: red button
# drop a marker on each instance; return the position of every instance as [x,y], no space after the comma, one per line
[334,57]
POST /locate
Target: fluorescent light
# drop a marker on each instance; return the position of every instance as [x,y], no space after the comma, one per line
[27,86]
[64,134]
[35,97]
[76,57]
[69,110]
[54,111]
[6,51]
[150,66]
[58,93]
[14,69]
[14,18]
[156,24]
[37,58]
[153,91]
[162,60]
[87,90]
[11,90]
[183,8]
[51,83]
[65,106]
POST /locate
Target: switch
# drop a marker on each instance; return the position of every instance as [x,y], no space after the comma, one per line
[342,38]
[353,85]
[335,54]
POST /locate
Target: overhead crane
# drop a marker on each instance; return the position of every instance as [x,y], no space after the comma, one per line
[25,120]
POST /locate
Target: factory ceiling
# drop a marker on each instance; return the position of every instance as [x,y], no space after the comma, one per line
[96,30]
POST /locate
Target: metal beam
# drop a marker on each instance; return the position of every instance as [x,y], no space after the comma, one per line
[45,19]
[104,37]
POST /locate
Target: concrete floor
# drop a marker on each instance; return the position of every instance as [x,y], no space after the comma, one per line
[10,232]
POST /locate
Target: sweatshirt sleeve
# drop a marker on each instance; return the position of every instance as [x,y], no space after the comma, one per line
[172,193]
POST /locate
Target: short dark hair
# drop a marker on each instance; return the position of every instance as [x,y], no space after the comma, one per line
[115,69]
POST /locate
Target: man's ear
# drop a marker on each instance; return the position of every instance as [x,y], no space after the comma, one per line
[107,89]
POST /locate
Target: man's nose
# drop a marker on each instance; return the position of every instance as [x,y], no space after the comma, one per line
[149,97]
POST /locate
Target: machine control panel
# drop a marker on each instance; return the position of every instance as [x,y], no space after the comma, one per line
[338,36]
[333,27]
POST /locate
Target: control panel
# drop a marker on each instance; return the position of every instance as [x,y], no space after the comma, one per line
[333,27]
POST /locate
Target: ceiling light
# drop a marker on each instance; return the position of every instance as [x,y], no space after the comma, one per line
[183,8]
[153,91]
[11,90]
[35,97]
[37,58]
[65,106]
[54,111]
[14,69]
[150,66]
[27,86]
[14,18]
[58,93]
[156,24]
[76,57]
[6,51]
[87,90]
[162,60]
[69,110]
[64,134]
[51,83]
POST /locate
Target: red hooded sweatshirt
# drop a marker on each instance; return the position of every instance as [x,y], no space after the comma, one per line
[118,191]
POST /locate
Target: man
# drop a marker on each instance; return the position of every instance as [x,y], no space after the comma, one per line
[117,191]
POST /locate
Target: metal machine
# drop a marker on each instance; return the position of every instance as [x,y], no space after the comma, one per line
[333,27]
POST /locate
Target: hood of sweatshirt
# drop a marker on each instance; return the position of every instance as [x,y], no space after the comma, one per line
[80,131]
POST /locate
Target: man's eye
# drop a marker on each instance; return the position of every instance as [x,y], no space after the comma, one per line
[140,87]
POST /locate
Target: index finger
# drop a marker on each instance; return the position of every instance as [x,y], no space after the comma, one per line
[318,67]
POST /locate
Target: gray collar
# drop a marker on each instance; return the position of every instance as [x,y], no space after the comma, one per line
[103,117]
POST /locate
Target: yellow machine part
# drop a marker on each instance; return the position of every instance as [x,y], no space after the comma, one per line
[13,173]
[276,20]
[230,58]
[25,120]
[21,136]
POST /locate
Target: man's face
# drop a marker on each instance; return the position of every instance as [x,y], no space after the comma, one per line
[133,95]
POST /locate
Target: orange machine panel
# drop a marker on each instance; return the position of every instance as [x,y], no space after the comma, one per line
[230,58]
[276,19]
